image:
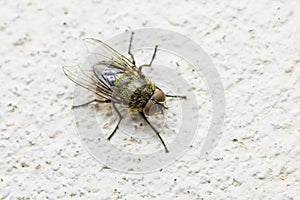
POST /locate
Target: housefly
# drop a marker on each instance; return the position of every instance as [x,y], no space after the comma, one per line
[116,79]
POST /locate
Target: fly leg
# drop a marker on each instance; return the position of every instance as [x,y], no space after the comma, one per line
[153,128]
[129,49]
[120,118]
[176,96]
[92,101]
[148,65]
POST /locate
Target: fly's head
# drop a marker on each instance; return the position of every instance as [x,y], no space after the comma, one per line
[156,104]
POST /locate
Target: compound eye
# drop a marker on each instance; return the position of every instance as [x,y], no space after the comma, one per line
[155,108]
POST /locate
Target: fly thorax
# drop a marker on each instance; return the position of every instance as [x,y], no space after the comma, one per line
[140,97]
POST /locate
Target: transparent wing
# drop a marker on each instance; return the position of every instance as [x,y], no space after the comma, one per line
[106,55]
[100,57]
[88,80]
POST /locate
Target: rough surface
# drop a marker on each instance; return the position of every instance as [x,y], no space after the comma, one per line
[255,45]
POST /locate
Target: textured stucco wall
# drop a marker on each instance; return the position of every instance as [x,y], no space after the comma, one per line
[255,45]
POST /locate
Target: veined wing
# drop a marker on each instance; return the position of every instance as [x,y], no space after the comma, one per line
[106,55]
[88,80]
[101,56]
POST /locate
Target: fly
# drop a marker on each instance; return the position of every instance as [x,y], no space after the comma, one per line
[116,79]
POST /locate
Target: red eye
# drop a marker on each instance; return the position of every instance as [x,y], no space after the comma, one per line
[155,108]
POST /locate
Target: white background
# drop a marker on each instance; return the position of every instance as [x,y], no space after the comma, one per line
[253,44]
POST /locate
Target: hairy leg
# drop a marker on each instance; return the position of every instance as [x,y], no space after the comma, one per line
[119,121]
[157,133]
[149,65]
[92,101]
[176,96]
[129,48]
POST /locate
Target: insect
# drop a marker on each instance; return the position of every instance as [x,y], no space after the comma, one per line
[116,79]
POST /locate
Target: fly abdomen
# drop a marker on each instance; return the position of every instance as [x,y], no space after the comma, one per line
[110,75]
